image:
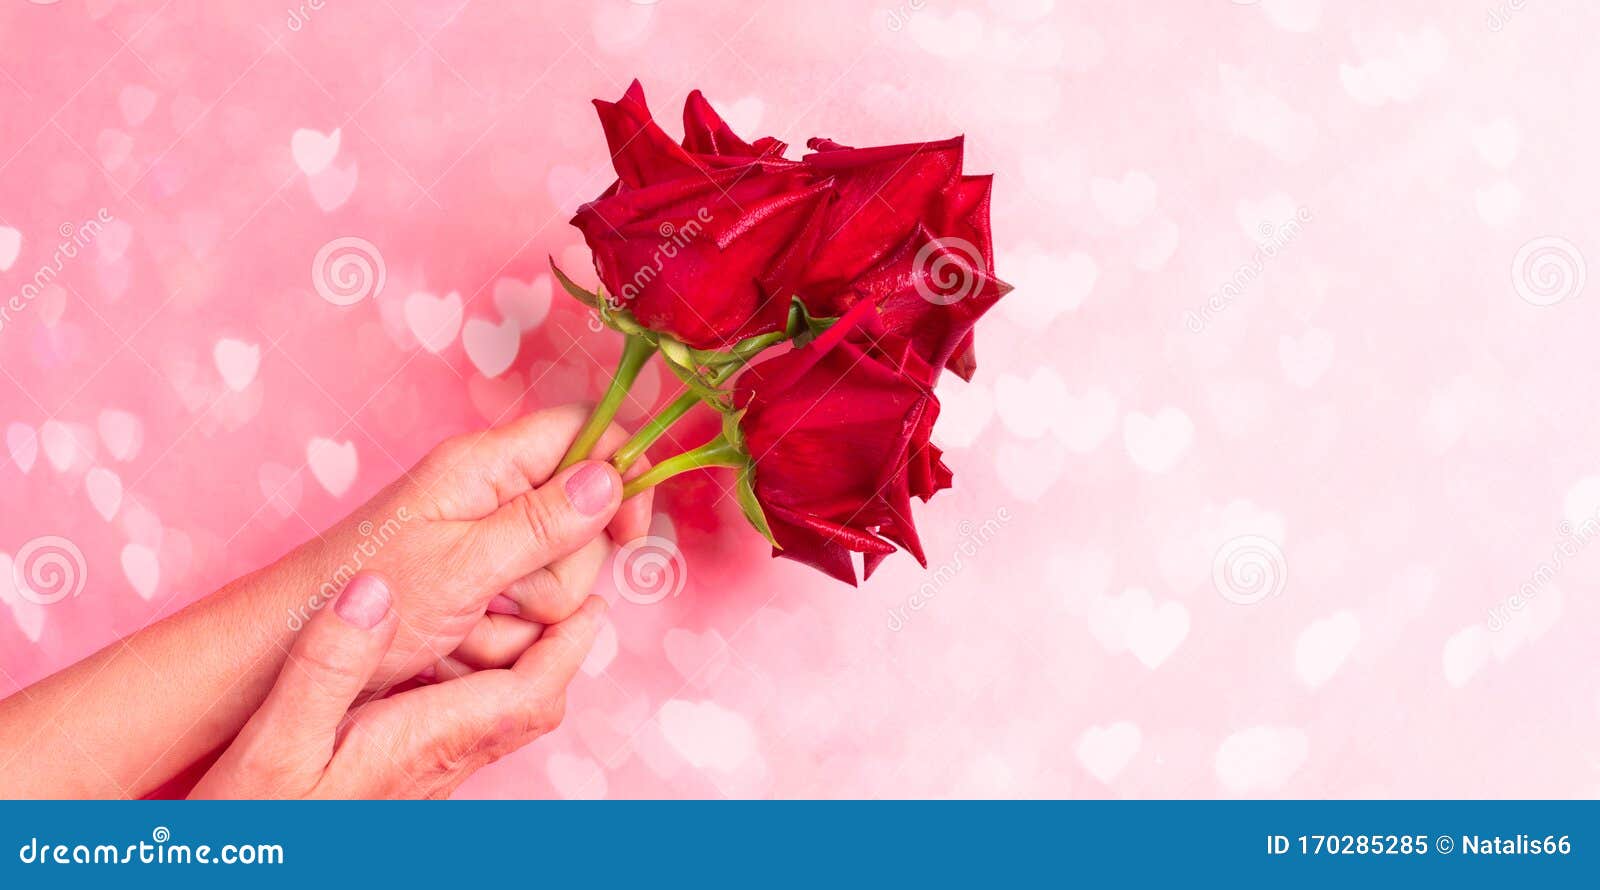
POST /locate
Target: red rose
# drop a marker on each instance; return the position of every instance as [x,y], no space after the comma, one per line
[965,216]
[932,291]
[837,432]
[705,133]
[641,151]
[643,154]
[708,245]
[910,233]
[710,259]
[884,193]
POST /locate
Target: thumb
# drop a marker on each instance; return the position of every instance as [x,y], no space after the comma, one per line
[538,527]
[331,662]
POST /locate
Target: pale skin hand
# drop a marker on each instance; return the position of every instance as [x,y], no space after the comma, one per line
[307,741]
[478,526]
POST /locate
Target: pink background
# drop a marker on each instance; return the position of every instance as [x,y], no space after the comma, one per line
[1389,409]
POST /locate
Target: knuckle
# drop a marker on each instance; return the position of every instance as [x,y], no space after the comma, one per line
[541,522]
[543,597]
[446,454]
[545,713]
[331,665]
[445,753]
[257,764]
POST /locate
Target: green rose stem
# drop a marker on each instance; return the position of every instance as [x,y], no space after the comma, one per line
[635,353]
[658,425]
[718,452]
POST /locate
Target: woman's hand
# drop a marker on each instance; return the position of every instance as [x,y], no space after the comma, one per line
[479,524]
[305,741]
[482,548]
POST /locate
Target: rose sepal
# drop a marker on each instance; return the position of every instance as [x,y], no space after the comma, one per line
[586,297]
[744,488]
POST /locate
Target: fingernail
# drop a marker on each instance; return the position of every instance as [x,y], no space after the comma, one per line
[364,602]
[503,605]
[590,488]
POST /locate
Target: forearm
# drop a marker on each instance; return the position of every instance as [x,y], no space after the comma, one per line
[128,718]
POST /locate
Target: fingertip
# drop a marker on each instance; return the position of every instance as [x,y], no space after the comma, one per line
[633,518]
[587,618]
[593,488]
[555,658]
[584,625]
[364,602]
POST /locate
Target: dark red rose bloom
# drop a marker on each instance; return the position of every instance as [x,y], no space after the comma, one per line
[641,152]
[911,233]
[705,133]
[884,193]
[710,259]
[705,241]
[838,433]
[932,291]
[709,238]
